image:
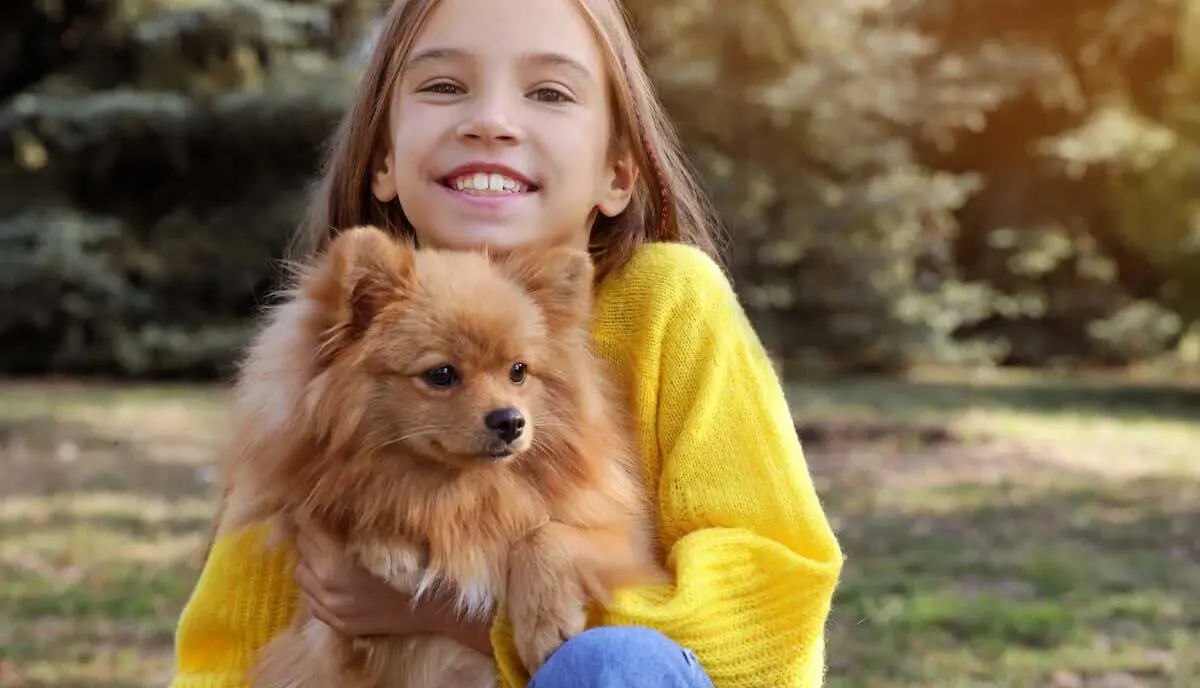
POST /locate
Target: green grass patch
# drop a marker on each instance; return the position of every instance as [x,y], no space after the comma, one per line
[1017,532]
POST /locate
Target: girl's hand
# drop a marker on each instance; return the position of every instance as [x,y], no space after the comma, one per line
[349,598]
[353,601]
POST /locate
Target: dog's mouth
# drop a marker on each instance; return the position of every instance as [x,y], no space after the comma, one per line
[499,450]
[493,450]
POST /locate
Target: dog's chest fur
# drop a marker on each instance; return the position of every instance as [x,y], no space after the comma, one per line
[476,572]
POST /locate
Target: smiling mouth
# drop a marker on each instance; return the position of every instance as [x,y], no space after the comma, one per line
[487,184]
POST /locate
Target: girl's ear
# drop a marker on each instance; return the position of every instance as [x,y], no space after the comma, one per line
[383,176]
[618,187]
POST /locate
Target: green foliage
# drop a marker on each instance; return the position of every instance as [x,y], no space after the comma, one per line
[906,181]
[898,177]
[149,180]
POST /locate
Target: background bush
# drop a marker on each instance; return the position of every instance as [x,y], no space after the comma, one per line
[906,181]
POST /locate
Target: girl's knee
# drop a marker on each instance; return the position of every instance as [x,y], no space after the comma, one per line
[620,656]
[609,642]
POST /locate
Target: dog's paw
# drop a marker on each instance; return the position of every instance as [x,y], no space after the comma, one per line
[546,598]
[543,622]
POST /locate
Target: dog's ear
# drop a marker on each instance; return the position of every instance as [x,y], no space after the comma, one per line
[364,269]
[559,280]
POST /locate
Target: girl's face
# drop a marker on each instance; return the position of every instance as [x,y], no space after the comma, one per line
[500,128]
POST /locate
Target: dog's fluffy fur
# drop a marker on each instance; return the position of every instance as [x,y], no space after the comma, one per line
[347,419]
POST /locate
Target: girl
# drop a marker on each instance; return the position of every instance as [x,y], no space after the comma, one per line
[499,122]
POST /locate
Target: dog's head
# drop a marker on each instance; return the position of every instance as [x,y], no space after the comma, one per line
[445,355]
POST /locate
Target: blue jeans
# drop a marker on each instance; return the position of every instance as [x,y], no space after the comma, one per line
[625,656]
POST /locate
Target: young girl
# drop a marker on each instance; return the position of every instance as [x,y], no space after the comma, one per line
[492,122]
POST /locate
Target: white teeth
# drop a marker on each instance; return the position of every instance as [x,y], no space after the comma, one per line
[482,182]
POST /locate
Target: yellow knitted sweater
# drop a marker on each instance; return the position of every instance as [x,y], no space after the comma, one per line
[754,558]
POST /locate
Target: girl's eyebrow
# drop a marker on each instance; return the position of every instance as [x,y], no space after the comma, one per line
[558,59]
[434,55]
[457,55]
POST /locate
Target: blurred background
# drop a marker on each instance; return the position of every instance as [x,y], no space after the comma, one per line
[968,231]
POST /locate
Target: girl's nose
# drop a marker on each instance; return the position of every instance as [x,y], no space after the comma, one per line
[490,120]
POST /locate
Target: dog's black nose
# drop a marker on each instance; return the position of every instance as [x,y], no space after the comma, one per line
[506,423]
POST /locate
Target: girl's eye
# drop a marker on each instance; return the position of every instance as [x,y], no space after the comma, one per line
[551,95]
[442,88]
[517,373]
[441,377]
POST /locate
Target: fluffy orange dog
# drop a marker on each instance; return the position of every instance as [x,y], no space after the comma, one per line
[439,416]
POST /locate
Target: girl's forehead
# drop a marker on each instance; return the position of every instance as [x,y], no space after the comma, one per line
[550,32]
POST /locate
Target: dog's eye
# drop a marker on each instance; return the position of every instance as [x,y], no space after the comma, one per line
[517,373]
[441,377]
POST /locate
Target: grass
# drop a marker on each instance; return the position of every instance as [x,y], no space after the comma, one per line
[1009,532]
[103,509]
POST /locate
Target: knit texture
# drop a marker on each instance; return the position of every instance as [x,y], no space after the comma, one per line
[754,558]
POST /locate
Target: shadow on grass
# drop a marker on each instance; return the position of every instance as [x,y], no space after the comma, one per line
[970,561]
[869,461]
[47,456]
[1010,585]
[100,543]
[131,525]
[1118,399]
[96,683]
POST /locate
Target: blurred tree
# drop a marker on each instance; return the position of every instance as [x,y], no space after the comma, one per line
[802,119]
[153,157]
[906,180]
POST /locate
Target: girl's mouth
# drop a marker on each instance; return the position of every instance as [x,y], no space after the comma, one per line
[487,184]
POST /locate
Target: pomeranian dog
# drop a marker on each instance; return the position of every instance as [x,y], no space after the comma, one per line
[441,417]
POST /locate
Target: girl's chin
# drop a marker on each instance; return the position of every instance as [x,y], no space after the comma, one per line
[473,236]
[467,234]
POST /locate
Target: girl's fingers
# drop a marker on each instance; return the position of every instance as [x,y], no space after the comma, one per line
[313,540]
[307,546]
[321,603]
[307,581]
[321,564]
[322,614]
[316,585]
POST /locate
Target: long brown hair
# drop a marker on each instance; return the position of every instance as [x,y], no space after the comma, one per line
[667,205]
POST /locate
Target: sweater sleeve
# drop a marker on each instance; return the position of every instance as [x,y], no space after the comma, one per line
[755,559]
[244,597]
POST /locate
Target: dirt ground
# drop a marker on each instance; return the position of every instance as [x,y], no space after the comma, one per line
[1006,533]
